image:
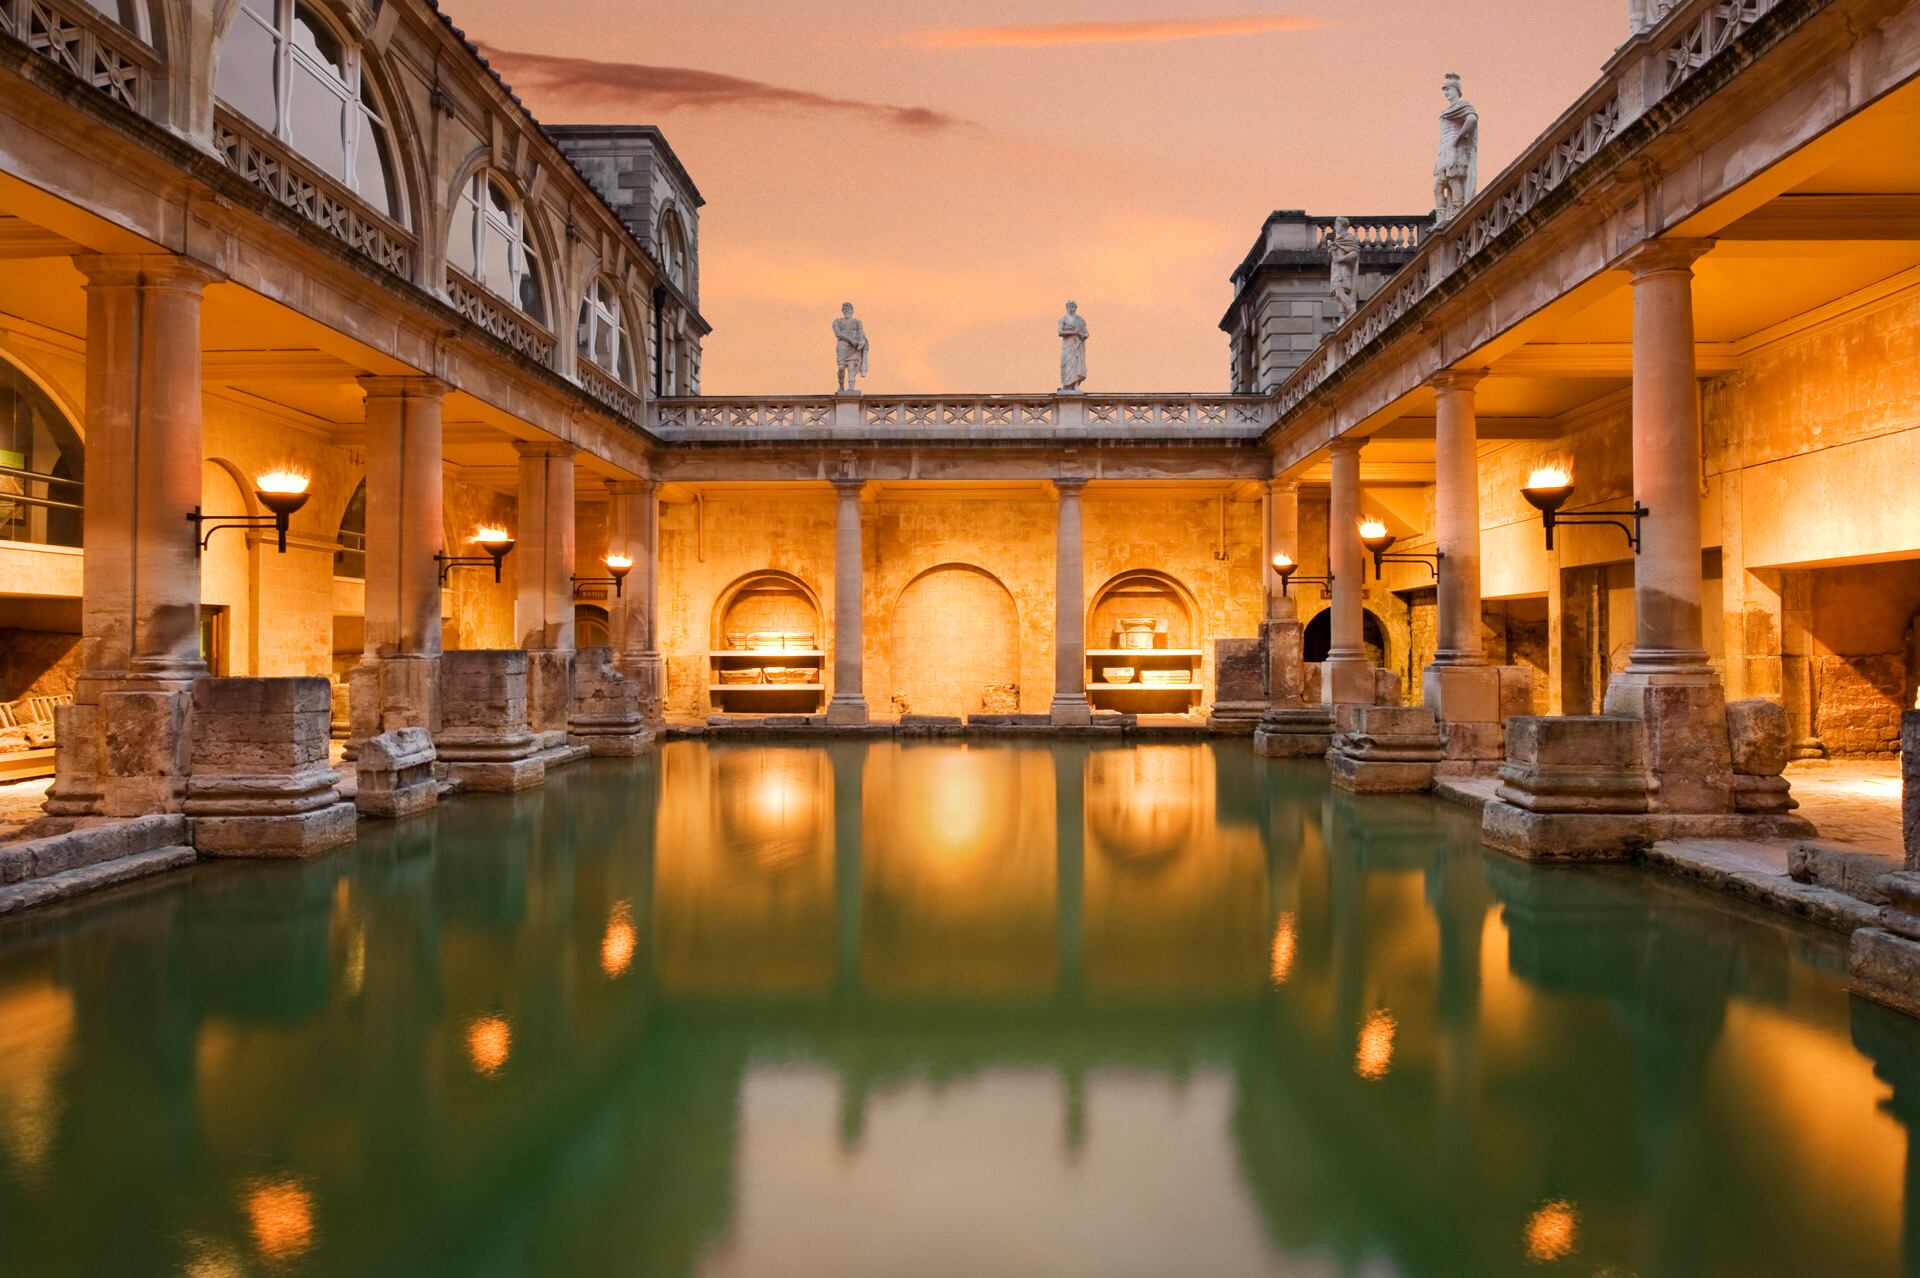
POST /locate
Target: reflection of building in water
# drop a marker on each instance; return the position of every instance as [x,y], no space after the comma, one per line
[1174,899]
[744,874]
[959,872]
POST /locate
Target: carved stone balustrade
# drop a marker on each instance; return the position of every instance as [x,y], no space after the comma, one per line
[1044,416]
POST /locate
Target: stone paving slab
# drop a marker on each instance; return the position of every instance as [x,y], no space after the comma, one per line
[1757,870]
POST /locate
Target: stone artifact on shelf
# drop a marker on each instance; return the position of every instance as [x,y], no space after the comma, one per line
[1117,674]
[1139,632]
[790,674]
[737,640]
[1166,678]
[745,675]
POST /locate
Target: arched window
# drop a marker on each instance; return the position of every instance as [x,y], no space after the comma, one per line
[42,465]
[673,247]
[350,560]
[489,242]
[603,331]
[130,14]
[282,67]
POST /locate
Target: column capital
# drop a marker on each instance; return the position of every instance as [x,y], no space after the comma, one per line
[1450,380]
[633,487]
[1283,487]
[544,448]
[1346,446]
[1068,485]
[402,386]
[848,485]
[1661,257]
[153,270]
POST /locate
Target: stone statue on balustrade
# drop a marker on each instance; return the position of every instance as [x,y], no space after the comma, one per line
[1642,14]
[850,350]
[1456,172]
[1343,248]
[1073,350]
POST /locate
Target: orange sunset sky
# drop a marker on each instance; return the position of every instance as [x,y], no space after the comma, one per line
[959,169]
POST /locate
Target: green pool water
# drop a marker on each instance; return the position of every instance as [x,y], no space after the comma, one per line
[940,1009]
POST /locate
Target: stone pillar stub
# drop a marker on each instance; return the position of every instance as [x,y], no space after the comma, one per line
[849,702]
[484,736]
[262,784]
[1070,609]
[606,715]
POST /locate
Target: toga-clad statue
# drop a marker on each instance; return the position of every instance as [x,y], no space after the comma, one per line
[1343,247]
[1073,349]
[850,349]
[1456,173]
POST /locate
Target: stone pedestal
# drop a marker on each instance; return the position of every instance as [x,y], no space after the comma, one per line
[549,694]
[396,774]
[606,717]
[1884,961]
[1685,739]
[1286,676]
[1239,686]
[1473,704]
[261,784]
[1303,731]
[483,737]
[1760,746]
[388,692]
[1910,784]
[1386,749]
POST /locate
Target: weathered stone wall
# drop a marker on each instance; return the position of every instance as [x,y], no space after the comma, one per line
[477,613]
[39,663]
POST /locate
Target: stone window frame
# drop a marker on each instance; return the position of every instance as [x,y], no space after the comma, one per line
[489,206]
[602,313]
[300,61]
[129,15]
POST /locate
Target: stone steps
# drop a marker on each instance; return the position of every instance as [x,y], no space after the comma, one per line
[91,877]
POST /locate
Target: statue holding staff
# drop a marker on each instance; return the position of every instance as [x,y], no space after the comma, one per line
[1073,349]
[1456,171]
[850,350]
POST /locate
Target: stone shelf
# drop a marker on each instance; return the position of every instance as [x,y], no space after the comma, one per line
[1144,687]
[766,687]
[764,657]
[1116,653]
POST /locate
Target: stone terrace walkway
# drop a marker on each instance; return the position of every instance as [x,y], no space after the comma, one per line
[1852,801]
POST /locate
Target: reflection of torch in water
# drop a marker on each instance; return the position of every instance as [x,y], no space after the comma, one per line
[489,1043]
[280,1213]
[1553,1231]
[619,943]
[1375,1052]
[1284,940]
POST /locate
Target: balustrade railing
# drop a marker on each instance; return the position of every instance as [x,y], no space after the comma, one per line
[1689,36]
[299,186]
[49,517]
[1226,414]
[87,43]
[1384,234]
[498,317]
[609,392]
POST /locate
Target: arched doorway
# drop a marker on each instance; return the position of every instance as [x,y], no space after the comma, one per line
[956,631]
[1317,638]
[591,627]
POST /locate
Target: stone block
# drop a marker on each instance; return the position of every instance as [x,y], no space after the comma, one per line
[549,689]
[1385,749]
[1286,674]
[396,774]
[1858,874]
[1687,753]
[1462,694]
[144,747]
[1516,691]
[1757,737]
[484,738]
[1348,683]
[1586,764]
[1240,685]
[1762,794]
[1386,687]
[78,763]
[606,715]
[1885,967]
[261,783]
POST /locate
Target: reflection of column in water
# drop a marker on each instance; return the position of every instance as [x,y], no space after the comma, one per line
[1890,1040]
[1070,764]
[849,836]
[1346,899]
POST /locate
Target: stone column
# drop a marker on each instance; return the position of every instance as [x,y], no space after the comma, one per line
[543,613]
[1282,630]
[1668,681]
[849,703]
[636,532]
[123,743]
[1459,686]
[1347,677]
[396,683]
[1070,612]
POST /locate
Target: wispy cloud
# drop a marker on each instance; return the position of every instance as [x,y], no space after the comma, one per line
[632,85]
[1151,29]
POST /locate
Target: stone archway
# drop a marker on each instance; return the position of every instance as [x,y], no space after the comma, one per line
[1317,638]
[955,630]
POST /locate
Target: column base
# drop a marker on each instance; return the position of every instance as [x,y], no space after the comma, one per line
[1348,681]
[847,709]
[144,749]
[389,692]
[1684,716]
[261,784]
[549,690]
[1070,711]
[605,715]
[1387,750]
[1303,732]
[484,739]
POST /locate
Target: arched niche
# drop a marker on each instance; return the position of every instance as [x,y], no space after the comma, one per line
[1144,645]
[1317,638]
[1143,805]
[955,634]
[767,646]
